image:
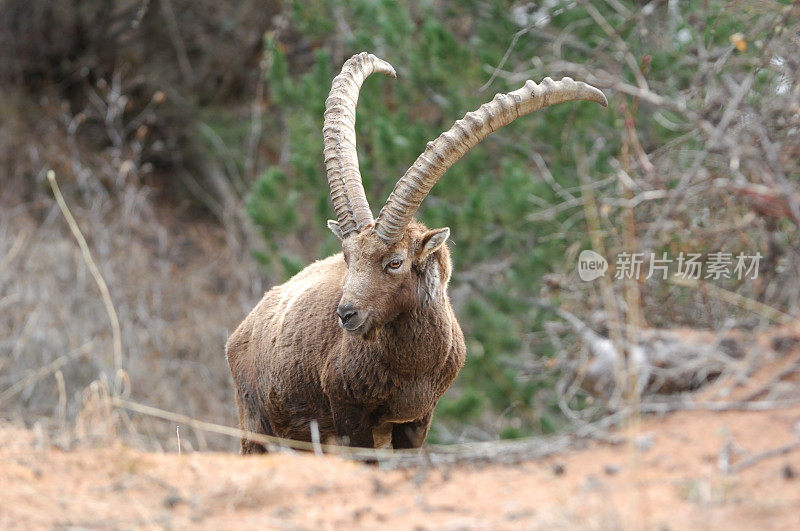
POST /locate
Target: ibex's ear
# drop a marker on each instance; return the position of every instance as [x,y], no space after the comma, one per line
[334,226]
[432,240]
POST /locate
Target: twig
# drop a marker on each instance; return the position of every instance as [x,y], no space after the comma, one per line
[599,427]
[620,8]
[548,177]
[550,213]
[506,452]
[98,278]
[267,440]
[19,241]
[686,178]
[315,438]
[611,308]
[43,372]
[636,200]
[618,41]
[737,300]
[503,60]
[495,451]
[30,324]
[256,122]
[739,405]
[177,41]
[777,377]
[774,452]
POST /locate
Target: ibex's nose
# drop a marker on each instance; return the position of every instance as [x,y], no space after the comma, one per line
[346,313]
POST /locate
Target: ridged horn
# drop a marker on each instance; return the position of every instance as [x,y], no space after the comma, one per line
[440,154]
[339,141]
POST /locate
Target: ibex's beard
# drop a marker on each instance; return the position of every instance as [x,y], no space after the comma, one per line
[429,287]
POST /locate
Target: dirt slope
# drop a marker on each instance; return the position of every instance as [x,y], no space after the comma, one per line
[667,474]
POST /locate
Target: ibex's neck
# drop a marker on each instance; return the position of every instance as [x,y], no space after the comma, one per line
[419,341]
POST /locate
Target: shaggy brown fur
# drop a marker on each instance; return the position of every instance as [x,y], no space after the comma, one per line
[375,385]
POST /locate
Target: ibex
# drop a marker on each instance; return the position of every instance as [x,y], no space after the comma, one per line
[365,342]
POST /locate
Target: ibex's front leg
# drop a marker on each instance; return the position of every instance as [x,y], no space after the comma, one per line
[353,425]
[411,434]
[382,436]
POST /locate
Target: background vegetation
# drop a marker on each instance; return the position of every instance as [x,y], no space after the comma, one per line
[188,141]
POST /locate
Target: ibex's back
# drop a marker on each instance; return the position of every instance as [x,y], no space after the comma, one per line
[265,359]
[366,342]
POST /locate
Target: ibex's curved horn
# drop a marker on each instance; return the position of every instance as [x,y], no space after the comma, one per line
[339,141]
[443,152]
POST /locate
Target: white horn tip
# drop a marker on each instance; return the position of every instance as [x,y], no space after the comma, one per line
[594,94]
[383,67]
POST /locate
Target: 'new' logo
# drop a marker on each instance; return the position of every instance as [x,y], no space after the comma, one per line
[591,265]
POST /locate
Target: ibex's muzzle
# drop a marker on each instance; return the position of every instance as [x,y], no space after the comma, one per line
[348,316]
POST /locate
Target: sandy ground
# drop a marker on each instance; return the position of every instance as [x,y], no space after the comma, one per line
[666,473]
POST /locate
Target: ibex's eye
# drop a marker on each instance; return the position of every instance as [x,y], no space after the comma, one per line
[394,264]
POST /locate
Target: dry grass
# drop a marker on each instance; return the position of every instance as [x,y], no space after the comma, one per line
[179,285]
